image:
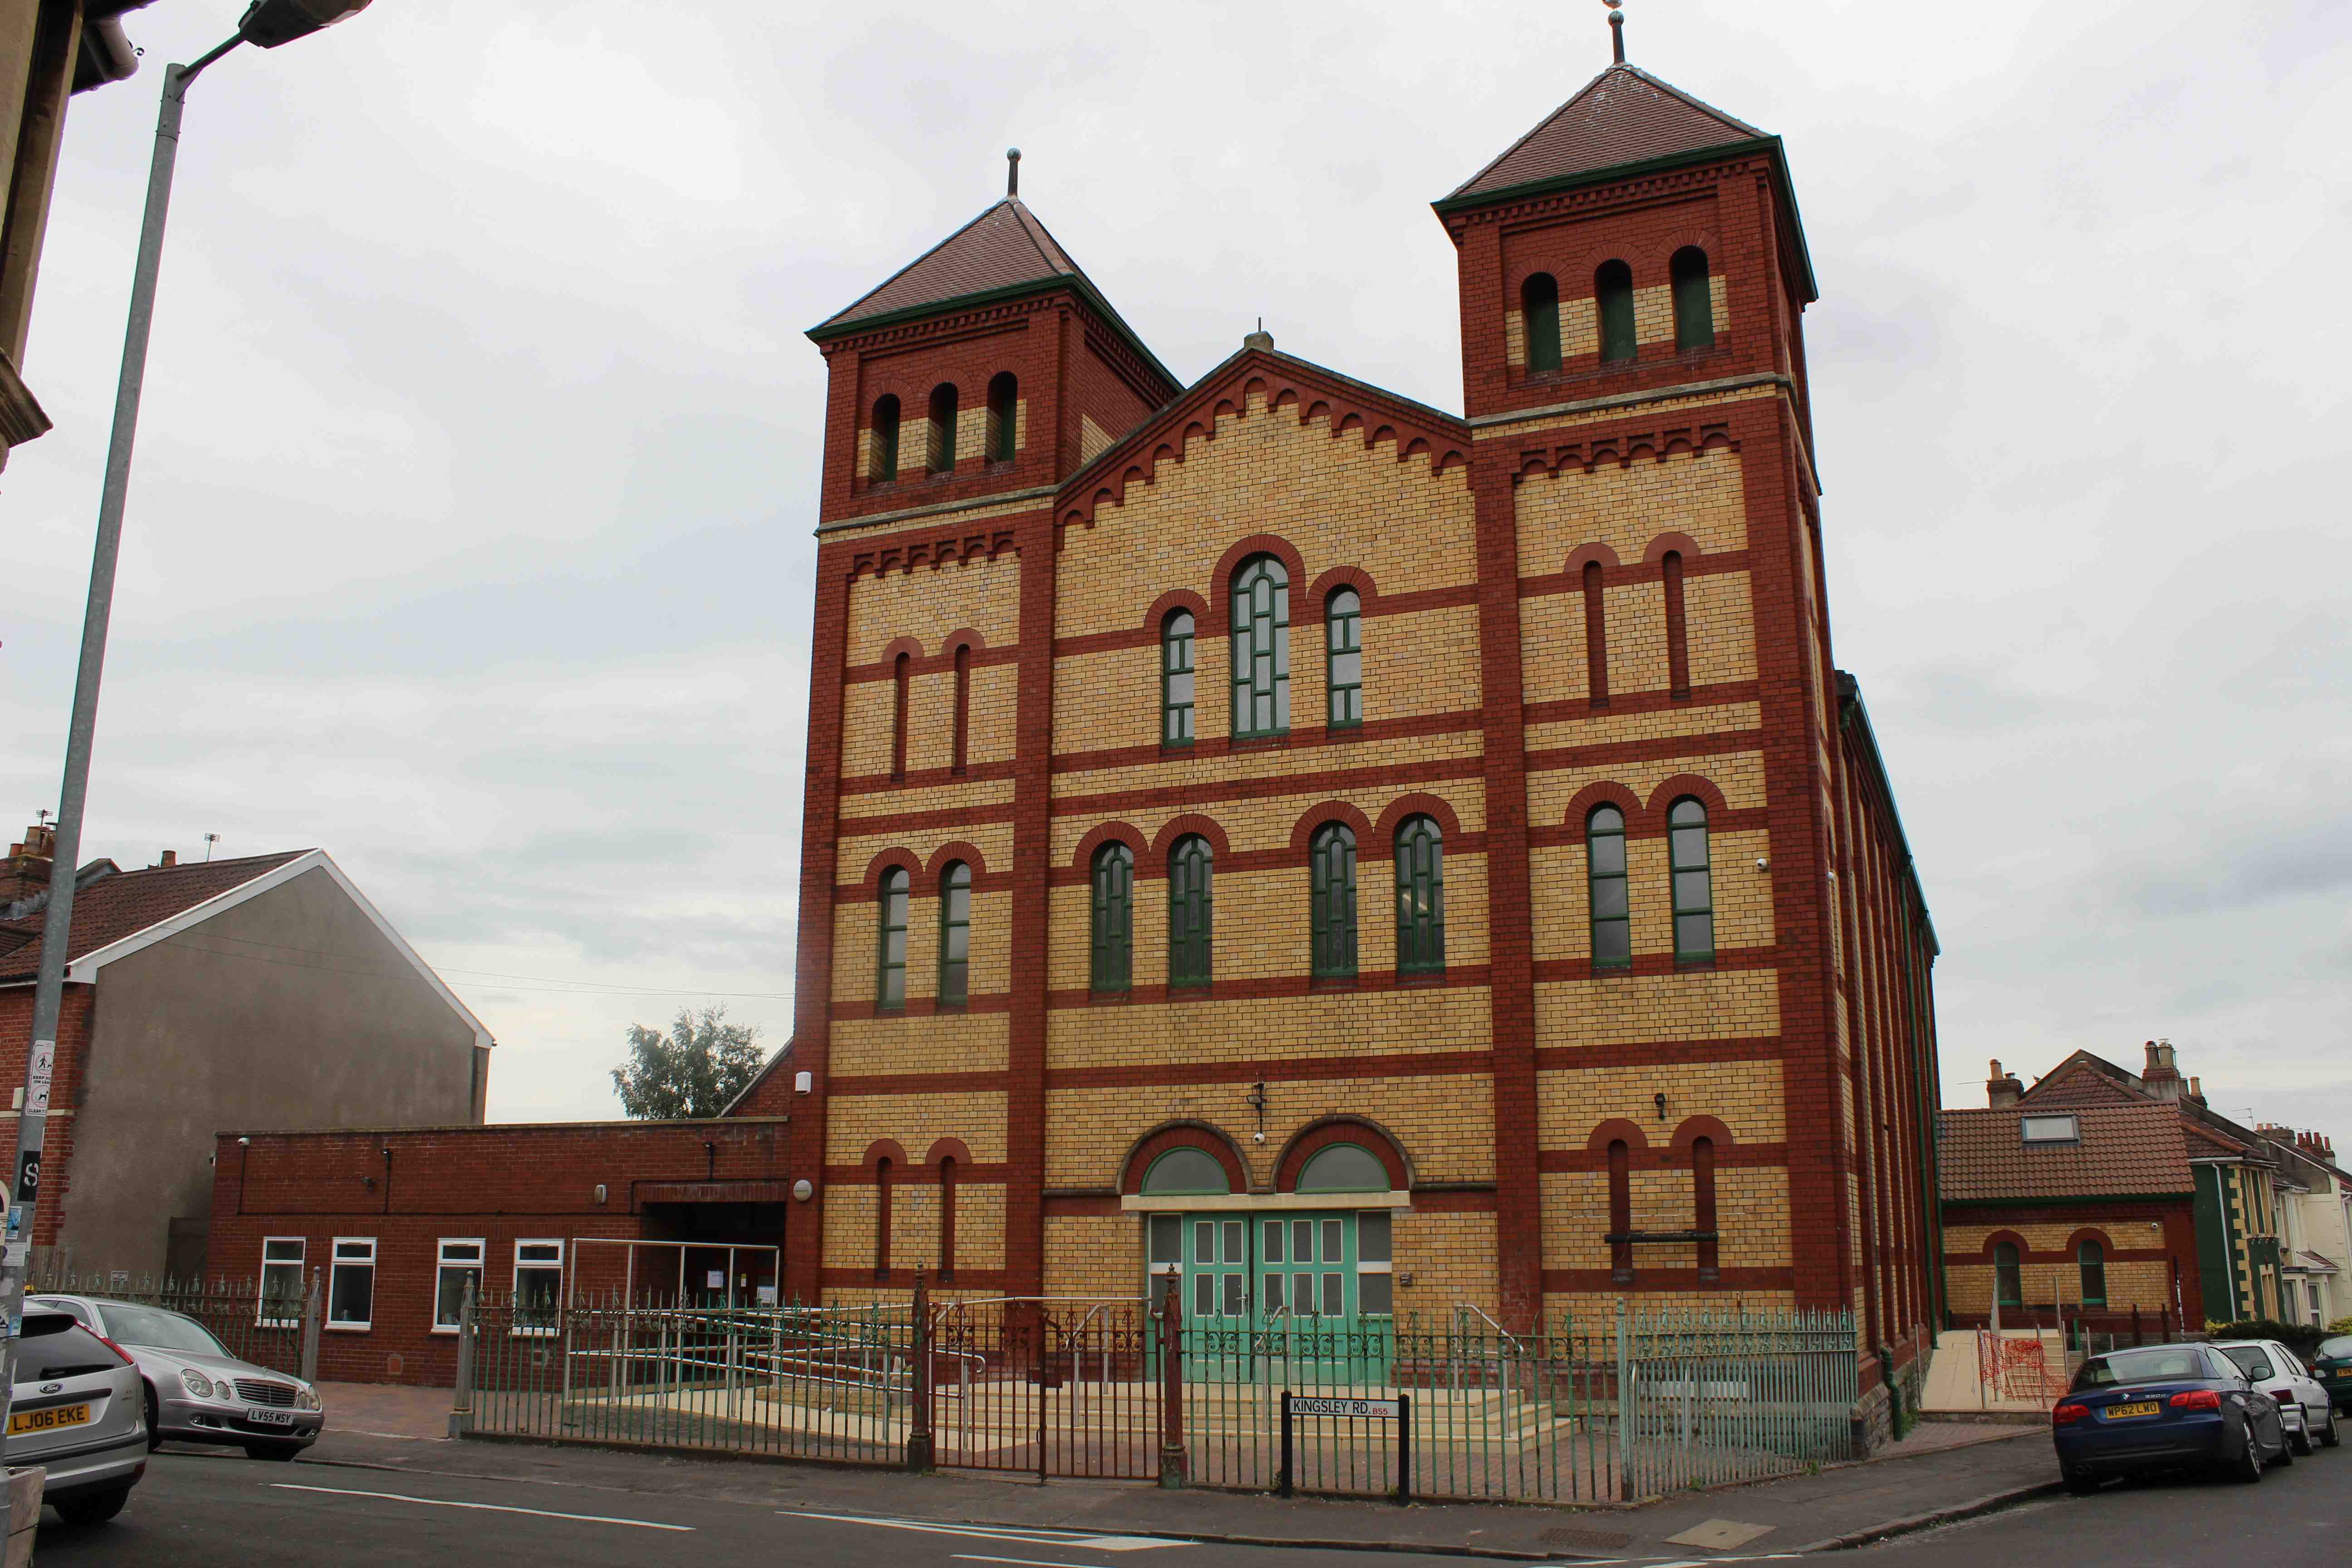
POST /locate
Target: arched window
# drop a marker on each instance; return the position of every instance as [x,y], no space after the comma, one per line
[1343,1168]
[1670,571]
[1420,897]
[947,1218]
[890,980]
[1703,1207]
[1003,416]
[1613,291]
[2092,1259]
[2008,1277]
[1621,1212]
[1694,300]
[1596,638]
[1176,678]
[1261,648]
[1331,874]
[955,935]
[901,680]
[1604,856]
[1114,916]
[1190,867]
[1186,1171]
[959,754]
[882,1218]
[1343,642]
[1694,884]
[942,457]
[882,442]
[1539,314]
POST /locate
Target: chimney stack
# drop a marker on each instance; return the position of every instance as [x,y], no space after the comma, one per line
[2000,1089]
[2161,1080]
[2196,1091]
[171,858]
[26,870]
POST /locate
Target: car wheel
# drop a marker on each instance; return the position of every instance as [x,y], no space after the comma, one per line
[2248,1466]
[2329,1436]
[154,1421]
[2299,1441]
[2082,1483]
[280,1451]
[95,1507]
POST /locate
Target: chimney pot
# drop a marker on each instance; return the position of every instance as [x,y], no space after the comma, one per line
[171,857]
[2001,1090]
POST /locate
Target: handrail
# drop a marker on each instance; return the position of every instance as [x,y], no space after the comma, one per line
[1518,1344]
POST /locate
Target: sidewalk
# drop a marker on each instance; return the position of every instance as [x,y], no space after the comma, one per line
[1941,1466]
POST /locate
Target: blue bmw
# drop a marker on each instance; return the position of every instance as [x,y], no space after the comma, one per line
[2164,1407]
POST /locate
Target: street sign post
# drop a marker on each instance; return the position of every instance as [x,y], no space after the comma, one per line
[1398,1410]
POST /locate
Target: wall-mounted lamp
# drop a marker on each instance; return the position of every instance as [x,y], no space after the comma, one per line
[804,1082]
[1660,1099]
[1255,1100]
[600,1192]
[803,1189]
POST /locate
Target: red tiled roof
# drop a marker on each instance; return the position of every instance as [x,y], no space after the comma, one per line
[1005,246]
[1624,115]
[128,902]
[2125,1150]
[2086,1079]
[2204,1141]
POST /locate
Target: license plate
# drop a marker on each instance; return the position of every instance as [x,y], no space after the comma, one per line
[48,1420]
[270,1417]
[2139,1407]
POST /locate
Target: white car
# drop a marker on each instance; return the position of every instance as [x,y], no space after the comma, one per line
[2304,1408]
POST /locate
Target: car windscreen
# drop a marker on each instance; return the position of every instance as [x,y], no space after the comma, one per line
[2337,1349]
[2156,1363]
[72,1354]
[155,1328]
[2250,1357]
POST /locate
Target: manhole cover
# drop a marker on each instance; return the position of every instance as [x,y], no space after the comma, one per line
[1600,1540]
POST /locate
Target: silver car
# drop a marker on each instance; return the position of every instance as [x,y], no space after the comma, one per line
[196,1391]
[76,1408]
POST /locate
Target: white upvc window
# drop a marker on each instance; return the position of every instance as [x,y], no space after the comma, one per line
[351,1284]
[281,1302]
[458,1260]
[538,1285]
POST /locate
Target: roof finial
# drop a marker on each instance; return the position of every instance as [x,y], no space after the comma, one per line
[1012,171]
[1616,28]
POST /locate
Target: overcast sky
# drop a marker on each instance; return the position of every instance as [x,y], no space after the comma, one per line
[470,532]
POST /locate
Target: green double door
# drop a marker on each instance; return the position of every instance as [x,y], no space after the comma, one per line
[1298,1295]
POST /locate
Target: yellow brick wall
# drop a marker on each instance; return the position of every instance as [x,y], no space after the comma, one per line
[856,949]
[1625,508]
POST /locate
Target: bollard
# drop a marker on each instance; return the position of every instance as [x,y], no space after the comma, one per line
[461,1407]
[1171,1388]
[918,1426]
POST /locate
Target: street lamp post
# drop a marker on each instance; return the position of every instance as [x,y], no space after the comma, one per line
[269,23]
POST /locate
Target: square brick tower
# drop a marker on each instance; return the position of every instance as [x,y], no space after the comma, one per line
[1345,857]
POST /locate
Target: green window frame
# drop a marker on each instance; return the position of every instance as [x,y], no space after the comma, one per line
[1176,634]
[1607,890]
[941,431]
[890,959]
[1694,300]
[1693,882]
[1192,866]
[1539,322]
[2007,1276]
[1114,918]
[955,935]
[882,443]
[1003,415]
[1343,644]
[2091,1259]
[1420,897]
[1331,874]
[1261,599]
[1612,297]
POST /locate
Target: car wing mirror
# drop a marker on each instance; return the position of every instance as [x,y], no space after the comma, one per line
[2259,1370]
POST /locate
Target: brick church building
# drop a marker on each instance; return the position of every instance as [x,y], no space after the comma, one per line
[1273,799]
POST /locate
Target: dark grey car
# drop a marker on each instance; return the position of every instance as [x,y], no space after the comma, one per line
[196,1392]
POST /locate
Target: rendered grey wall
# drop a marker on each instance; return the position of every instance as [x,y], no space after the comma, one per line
[290,1012]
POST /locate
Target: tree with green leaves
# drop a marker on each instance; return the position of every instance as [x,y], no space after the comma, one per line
[691,1072]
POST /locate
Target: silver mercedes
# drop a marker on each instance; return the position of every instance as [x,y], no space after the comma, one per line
[196,1391]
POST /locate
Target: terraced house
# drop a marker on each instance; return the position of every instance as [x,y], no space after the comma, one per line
[1353,858]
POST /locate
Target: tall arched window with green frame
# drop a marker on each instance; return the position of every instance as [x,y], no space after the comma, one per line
[1114,918]
[1191,865]
[1613,297]
[955,935]
[2091,1261]
[1343,642]
[1331,875]
[1694,300]
[1176,678]
[1420,897]
[890,960]
[1605,860]
[1693,882]
[1539,322]
[1261,648]
[2007,1276]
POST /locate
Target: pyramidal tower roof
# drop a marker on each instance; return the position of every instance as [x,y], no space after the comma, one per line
[1624,115]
